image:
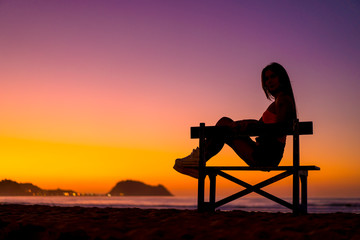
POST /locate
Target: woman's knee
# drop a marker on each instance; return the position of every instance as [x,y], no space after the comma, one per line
[225,121]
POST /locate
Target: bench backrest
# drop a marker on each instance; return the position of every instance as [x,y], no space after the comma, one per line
[304,128]
[296,129]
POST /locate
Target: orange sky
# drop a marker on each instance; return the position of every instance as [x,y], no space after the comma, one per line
[95,93]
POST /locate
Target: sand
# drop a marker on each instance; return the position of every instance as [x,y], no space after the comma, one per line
[45,222]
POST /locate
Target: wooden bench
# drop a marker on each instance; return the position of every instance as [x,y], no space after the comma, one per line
[298,172]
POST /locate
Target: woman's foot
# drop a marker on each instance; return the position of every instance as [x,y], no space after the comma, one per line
[188,165]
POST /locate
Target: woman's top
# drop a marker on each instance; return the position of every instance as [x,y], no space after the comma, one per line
[269,117]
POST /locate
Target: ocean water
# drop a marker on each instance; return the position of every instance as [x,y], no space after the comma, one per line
[315,205]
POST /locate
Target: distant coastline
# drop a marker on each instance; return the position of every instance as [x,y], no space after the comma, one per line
[122,188]
[12,188]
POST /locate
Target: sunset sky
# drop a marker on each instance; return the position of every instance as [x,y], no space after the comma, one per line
[93,92]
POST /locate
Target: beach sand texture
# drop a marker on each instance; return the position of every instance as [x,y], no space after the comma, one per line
[45,222]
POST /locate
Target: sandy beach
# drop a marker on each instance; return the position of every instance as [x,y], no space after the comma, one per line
[45,222]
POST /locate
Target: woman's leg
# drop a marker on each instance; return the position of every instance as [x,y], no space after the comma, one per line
[214,145]
[243,147]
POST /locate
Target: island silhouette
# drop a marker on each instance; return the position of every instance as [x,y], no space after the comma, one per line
[136,188]
[12,188]
[122,188]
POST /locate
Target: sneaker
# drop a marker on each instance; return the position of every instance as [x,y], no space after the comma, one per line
[192,160]
[188,165]
[190,171]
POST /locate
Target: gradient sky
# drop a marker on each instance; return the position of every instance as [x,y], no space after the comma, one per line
[93,92]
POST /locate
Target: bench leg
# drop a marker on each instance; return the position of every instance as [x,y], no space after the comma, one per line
[296,190]
[201,193]
[303,179]
[202,174]
[212,177]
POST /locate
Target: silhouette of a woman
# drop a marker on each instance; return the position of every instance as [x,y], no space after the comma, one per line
[266,150]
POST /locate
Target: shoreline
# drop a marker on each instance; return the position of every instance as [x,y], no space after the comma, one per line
[49,222]
[254,204]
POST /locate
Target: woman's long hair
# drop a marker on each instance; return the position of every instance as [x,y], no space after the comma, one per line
[284,80]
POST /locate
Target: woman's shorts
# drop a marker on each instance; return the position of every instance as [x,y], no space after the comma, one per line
[268,153]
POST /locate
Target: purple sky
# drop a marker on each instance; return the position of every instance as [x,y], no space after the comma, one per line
[96,72]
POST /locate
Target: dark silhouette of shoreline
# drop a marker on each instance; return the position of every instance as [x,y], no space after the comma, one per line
[12,188]
[122,188]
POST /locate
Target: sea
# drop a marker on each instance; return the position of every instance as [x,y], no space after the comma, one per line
[250,204]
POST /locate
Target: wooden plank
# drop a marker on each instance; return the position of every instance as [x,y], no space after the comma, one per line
[212,197]
[296,164]
[303,179]
[201,167]
[305,128]
[245,168]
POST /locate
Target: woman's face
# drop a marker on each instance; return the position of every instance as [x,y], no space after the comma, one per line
[272,82]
